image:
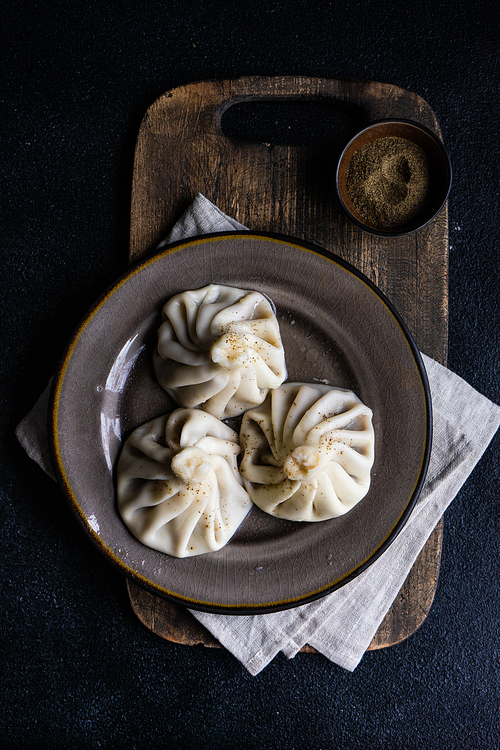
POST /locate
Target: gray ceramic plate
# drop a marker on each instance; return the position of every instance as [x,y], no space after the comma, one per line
[337,328]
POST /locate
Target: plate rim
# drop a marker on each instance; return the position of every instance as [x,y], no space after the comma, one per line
[134,575]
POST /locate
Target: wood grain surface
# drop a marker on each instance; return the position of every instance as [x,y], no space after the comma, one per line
[182,149]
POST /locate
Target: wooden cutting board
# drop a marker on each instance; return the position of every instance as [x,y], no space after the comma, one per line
[273,184]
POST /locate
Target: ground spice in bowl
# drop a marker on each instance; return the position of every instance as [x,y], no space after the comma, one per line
[393,177]
[388,181]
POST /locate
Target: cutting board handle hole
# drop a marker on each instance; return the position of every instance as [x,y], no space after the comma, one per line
[296,122]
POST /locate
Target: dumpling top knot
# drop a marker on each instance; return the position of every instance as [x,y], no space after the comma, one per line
[302,463]
[230,351]
[191,465]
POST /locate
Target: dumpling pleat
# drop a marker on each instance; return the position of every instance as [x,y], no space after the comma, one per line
[303,413]
[209,387]
[348,489]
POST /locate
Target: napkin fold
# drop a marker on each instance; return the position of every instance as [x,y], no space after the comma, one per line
[342,624]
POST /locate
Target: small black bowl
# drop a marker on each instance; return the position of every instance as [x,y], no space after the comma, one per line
[439,174]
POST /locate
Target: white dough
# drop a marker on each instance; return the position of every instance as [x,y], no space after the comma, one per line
[308,451]
[219,348]
[178,486]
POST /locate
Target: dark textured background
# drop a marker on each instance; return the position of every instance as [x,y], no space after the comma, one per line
[79,671]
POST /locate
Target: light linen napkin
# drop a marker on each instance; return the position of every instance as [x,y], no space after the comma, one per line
[342,624]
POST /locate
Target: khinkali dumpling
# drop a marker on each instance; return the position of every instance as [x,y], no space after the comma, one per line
[178,486]
[219,348]
[307,452]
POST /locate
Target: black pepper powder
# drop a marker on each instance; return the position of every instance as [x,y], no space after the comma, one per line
[388,181]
